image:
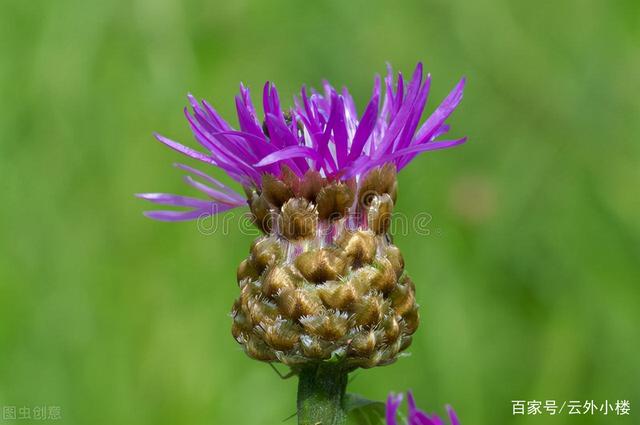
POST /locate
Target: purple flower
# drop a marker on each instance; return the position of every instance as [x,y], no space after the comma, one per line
[416,416]
[323,132]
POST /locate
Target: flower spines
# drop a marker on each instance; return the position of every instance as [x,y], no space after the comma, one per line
[325,279]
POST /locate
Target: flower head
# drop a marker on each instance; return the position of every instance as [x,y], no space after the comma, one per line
[325,281]
[415,416]
[322,134]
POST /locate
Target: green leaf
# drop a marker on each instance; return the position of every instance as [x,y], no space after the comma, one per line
[361,411]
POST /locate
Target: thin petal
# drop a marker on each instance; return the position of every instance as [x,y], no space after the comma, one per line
[411,402]
[214,194]
[365,127]
[442,112]
[183,149]
[392,405]
[418,417]
[431,146]
[286,153]
[364,163]
[279,133]
[246,119]
[414,117]
[337,124]
[399,121]
[452,416]
[176,215]
[215,116]
[174,200]
[207,178]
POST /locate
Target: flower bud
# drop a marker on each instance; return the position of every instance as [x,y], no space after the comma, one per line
[325,280]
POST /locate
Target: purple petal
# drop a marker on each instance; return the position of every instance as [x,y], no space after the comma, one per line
[308,112]
[387,104]
[442,112]
[349,104]
[246,98]
[259,144]
[203,118]
[227,151]
[270,101]
[246,119]
[364,163]
[414,117]
[323,147]
[214,194]
[207,178]
[399,121]
[400,91]
[337,124]
[213,114]
[218,141]
[209,116]
[176,215]
[332,140]
[435,420]
[432,146]
[321,106]
[411,402]
[183,149]
[266,105]
[200,208]
[452,416]
[201,131]
[286,153]
[365,127]
[212,208]
[174,200]
[279,133]
[391,411]
[416,416]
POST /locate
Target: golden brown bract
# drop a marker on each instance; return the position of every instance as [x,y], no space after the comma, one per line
[379,181]
[359,246]
[334,201]
[321,265]
[261,212]
[275,191]
[298,219]
[379,213]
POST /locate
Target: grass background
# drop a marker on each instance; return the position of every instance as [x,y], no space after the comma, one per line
[528,282]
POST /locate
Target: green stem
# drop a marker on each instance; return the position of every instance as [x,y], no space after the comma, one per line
[321,390]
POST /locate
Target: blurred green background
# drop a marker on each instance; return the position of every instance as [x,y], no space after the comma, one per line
[528,282]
